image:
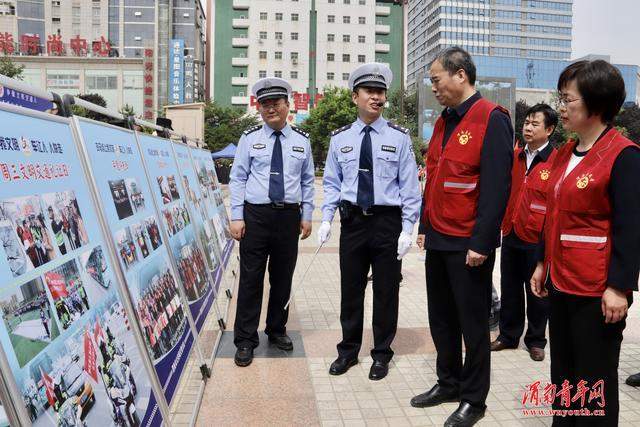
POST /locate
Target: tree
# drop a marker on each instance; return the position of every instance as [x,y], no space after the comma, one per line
[94,98]
[629,119]
[224,125]
[10,69]
[334,111]
[521,111]
[409,120]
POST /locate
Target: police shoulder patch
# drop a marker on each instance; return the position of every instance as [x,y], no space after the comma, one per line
[252,129]
[300,131]
[398,128]
[342,129]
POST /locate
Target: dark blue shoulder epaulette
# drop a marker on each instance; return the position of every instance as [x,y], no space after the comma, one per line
[300,131]
[398,128]
[342,129]
[252,129]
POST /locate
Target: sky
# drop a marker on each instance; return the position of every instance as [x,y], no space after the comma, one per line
[607,27]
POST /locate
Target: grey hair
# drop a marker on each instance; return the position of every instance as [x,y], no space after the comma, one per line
[455,58]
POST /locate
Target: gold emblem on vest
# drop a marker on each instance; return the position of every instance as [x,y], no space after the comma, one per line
[464,137]
[583,181]
[544,174]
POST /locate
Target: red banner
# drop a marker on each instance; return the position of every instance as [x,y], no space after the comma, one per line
[48,387]
[90,366]
[56,284]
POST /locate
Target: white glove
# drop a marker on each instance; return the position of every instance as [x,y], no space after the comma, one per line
[404,244]
[324,232]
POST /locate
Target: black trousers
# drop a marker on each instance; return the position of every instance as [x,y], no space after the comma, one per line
[584,347]
[269,234]
[516,267]
[459,301]
[369,241]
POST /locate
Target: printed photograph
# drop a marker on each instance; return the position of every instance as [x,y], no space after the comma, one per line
[121,199]
[26,241]
[191,266]
[141,237]
[165,192]
[94,376]
[158,307]
[29,320]
[68,292]
[126,247]
[135,194]
[95,264]
[65,221]
[173,187]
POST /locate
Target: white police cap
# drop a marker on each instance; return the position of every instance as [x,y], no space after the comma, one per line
[271,87]
[373,74]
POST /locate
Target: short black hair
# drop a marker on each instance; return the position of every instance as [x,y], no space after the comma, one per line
[550,115]
[456,58]
[600,84]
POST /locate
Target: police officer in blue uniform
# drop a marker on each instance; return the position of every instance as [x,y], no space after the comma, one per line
[371,178]
[271,185]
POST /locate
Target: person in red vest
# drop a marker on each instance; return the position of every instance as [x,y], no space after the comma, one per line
[591,246]
[468,182]
[521,229]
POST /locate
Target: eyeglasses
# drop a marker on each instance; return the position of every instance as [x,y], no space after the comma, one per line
[563,101]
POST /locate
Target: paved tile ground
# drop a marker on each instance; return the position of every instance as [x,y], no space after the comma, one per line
[298,390]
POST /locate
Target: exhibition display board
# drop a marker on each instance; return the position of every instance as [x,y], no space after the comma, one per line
[65,334]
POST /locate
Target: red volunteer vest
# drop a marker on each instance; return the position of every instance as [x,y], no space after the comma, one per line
[578,228]
[451,194]
[527,205]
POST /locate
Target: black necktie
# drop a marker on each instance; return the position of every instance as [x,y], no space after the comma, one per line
[276,178]
[365,172]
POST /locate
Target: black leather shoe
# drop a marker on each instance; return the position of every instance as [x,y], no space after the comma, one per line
[283,342]
[378,370]
[434,397]
[341,365]
[244,356]
[634,380]
[465,416]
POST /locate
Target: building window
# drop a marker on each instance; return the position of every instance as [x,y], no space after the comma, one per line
[263,16]
[294,55]
[63,81]
[332,1]
[362,2]
[262,74]
[330,76]
[345,76]
[331,37]
[294,74]
[278,16]
[278,35]
[346,19]
[277,74]
[263,54]
[101,82]
[294,36]
[346,57]
[295,17]
[362,58]
[362,20]
[263,35]
[347,1]
[331,19]
[346,38]
[331,57]
[362,39]
[278,54]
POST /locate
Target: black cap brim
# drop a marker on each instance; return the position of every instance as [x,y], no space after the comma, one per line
[373,85]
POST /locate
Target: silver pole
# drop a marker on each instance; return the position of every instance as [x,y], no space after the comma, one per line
[304,275]
[121,278]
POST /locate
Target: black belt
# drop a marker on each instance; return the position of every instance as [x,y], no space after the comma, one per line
[373,210]
[275,205]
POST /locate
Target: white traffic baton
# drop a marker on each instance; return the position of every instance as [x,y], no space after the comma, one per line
[304,275]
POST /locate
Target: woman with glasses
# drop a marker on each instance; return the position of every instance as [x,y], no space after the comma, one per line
[591,245]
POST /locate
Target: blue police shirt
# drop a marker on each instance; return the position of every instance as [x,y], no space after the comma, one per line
[249,179]
[395,180]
